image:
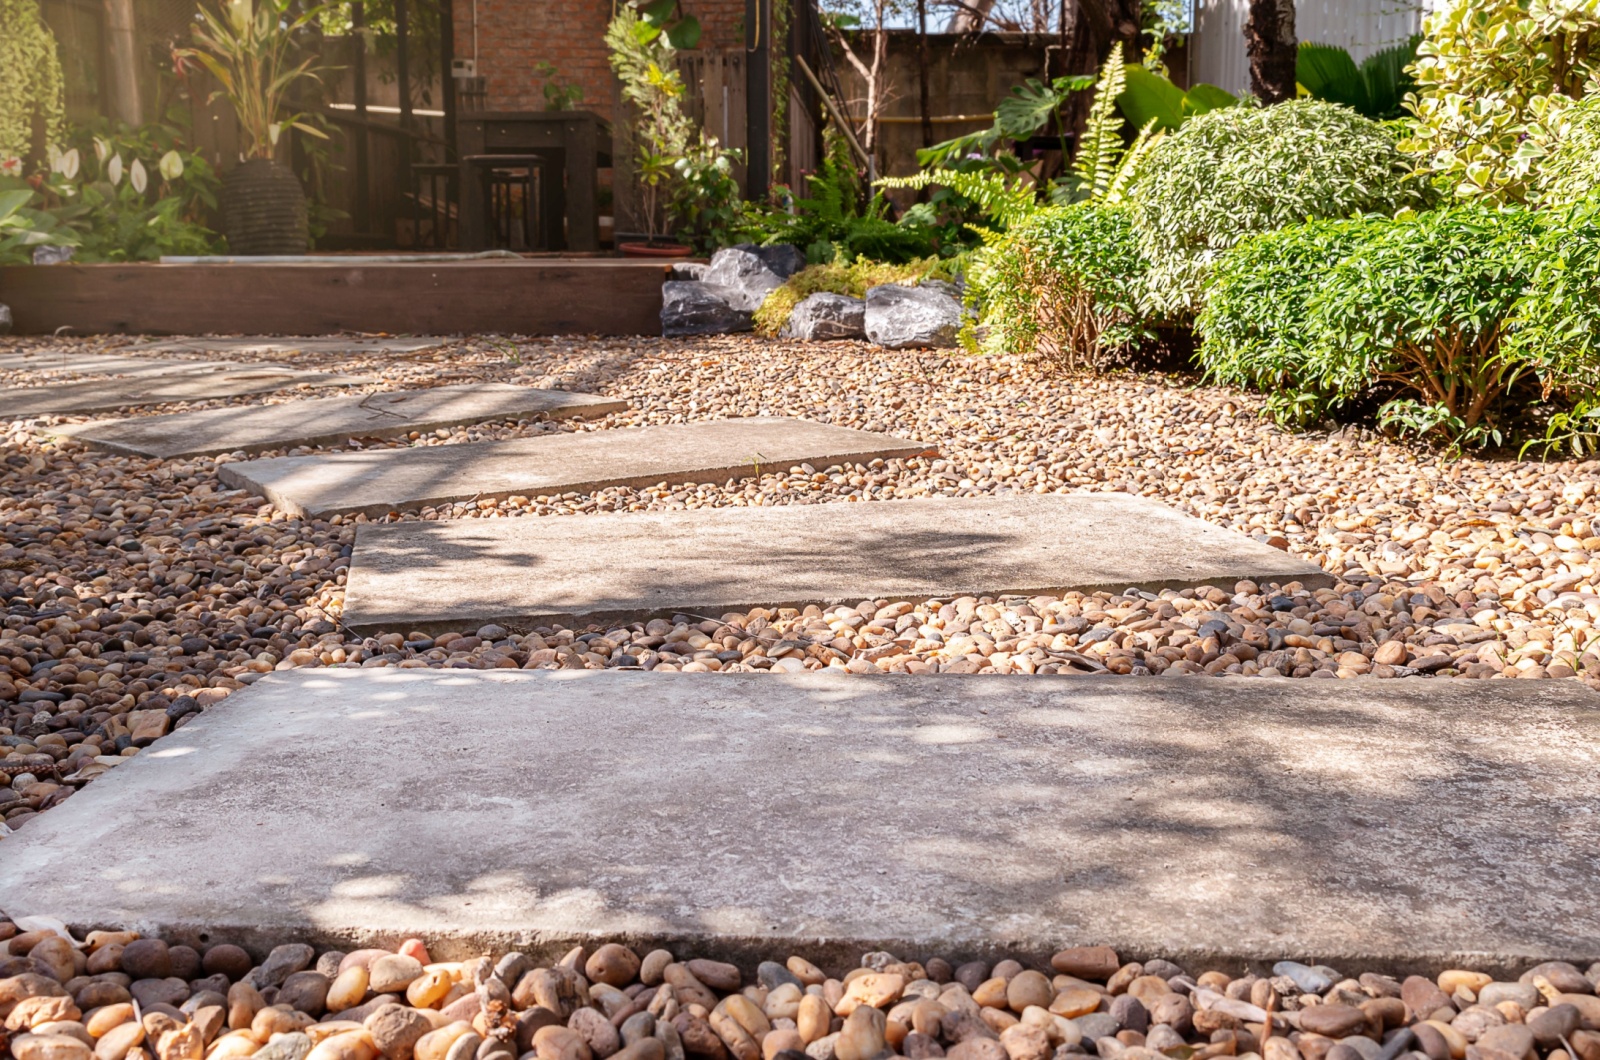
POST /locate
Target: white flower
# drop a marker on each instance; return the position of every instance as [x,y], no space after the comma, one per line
[114,170]
[138,177]
[171,165]
[71,162]
[101,150]
[273,132]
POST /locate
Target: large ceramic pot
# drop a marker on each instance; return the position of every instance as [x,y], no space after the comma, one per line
[264,209]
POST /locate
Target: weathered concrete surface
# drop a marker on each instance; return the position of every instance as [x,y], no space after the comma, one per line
[331,421]
[130,391]
[1409,825]
[102,364]
[459,574]
[388,480]
[275,344]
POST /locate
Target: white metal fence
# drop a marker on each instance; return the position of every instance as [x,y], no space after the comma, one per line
[1216,48]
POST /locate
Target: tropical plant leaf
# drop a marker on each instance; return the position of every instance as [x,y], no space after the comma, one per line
[1030,106]
[1388,78]
[1203,97]
[685,33]
[1150,97]
[1328,73]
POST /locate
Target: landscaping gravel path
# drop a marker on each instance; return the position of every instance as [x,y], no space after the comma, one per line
[118,996]
[137,591]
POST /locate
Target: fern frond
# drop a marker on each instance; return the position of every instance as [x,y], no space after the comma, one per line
[1001,200]
[1096,161]
[1128,168]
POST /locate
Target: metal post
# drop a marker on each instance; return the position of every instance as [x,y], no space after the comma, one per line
[363,204]
[758,94]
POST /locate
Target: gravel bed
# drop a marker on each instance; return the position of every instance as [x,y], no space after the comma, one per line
[138,592]
[117,996]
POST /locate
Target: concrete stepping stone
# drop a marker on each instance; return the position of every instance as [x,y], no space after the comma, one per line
[332,421]
[389,480]
[278,344]
[103,364]
[1365,823]
[156,388]
[463,573]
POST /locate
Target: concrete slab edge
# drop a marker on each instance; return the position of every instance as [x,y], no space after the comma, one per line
[374,624]
[572,412]
[688,475]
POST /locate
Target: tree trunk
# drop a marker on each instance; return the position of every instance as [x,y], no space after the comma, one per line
[122,52]
[1270,42]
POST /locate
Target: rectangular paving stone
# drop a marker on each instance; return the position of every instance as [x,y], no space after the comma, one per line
[1403,825]
[98,395]
[276,344]
[387,480]
[462,573]
[331,421]
[103,364]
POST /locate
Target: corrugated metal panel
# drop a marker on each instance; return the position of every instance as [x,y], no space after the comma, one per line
[1217,51]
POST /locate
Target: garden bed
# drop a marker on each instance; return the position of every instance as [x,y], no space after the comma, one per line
[540,296]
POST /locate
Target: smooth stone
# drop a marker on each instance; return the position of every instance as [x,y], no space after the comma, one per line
[1555,1023]
[1097,1025]
[772,975]
[1087,962]
[283,962]
[396,1029]
[1524,994]
[295,1045]
[1130,1013]
[1563,976]
[1308,979]
[1333,1021]
[1513,1039]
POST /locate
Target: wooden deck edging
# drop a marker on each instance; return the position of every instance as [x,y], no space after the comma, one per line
[534,297]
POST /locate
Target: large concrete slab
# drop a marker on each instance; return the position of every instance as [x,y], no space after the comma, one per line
[389,480]
[457,574]
[332,421]
[56,363]
[131,391]
[1406,825]
[279,344]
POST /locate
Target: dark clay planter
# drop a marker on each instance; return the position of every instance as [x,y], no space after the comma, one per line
[264,209]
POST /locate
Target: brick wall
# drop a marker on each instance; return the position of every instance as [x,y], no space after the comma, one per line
[515,36]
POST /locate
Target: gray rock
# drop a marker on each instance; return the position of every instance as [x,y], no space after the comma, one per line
[752,272]
[49,254]
[954,290]
[5,319]
[1308,979]
[281,963]
[689,270]
[900,317]
[1525,994]
[692,308]
[1097,1025]
[824,316]
[772,975]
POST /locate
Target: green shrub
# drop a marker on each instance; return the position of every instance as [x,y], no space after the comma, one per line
[1491,77]
[1257,310]
[852,278]
[1064,283]
[1236,171]
[1415,313]
[1569,167]
[1557,325]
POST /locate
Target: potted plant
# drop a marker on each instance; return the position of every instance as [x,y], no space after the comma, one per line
[249,47]
[678,169]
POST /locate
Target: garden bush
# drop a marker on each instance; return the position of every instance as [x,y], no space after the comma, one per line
[1569,167]
[1064,283]
[1493,77]
[1451,320]
[1236,171]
